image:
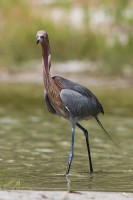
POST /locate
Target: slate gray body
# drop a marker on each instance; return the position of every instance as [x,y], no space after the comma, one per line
[80,102]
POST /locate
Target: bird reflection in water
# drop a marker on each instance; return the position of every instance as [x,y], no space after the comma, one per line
[70,185]
[68,180]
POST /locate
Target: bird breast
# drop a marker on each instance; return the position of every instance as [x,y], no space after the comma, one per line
[54,96]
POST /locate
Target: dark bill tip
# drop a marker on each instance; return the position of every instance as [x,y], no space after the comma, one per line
[37,41]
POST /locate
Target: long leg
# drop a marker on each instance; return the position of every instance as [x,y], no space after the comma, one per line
[87,143]
[71,155]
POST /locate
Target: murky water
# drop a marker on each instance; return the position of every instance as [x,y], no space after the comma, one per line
[34,145]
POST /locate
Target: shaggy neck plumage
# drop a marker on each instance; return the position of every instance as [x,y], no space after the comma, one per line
[46,62]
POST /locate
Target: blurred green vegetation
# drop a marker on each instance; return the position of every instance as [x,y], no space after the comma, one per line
[19,24]
[17,33]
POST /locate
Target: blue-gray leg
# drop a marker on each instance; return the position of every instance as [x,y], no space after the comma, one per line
[71,152]
[87,143]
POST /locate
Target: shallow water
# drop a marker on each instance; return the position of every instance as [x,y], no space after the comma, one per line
[34,145]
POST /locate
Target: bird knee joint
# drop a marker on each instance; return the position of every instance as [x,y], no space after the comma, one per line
[86,134]
[71,155]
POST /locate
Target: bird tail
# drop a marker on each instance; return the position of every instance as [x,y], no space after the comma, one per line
[105,132]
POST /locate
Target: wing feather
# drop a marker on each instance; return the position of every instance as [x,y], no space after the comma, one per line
[93,105]
[48,103]
[78,104]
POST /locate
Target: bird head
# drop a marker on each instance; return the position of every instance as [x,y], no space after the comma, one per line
[42,37]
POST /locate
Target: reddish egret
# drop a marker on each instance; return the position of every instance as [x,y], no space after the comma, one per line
[65,98]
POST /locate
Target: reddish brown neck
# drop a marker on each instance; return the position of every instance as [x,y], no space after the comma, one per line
[46,62]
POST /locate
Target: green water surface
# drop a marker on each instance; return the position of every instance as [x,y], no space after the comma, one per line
[34,144]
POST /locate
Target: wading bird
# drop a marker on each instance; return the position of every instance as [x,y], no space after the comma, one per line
[68,99]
